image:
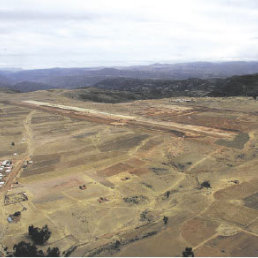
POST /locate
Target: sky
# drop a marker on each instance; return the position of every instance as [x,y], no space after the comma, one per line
[84,33]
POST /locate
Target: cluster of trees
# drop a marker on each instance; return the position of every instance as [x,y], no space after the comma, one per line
[23,249]
[39,236]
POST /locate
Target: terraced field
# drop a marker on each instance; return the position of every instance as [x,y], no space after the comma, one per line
[135,174]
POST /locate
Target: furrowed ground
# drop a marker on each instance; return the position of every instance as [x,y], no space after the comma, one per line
[95,181]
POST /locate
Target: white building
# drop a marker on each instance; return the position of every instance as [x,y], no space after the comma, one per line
[6,163]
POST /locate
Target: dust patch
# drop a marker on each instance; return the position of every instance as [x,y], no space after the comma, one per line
[114,170]
[238,142]
[197,230]
[139,171]
[252,201]
[83,135]
[123,143]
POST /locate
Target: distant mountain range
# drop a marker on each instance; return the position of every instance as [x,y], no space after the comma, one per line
[140,82]
[69,78]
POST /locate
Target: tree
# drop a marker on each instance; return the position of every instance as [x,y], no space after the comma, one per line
[167,194]
[39,236]
[53,252]
[188,252]
[117,244]
[206,184]
[23,249]
[17,214]
[165,220]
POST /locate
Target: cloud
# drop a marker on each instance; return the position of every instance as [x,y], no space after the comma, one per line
[46,33]
[13,15]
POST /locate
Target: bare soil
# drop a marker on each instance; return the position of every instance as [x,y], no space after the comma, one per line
[143,163]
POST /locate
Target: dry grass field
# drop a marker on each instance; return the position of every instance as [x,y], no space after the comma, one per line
[135,172]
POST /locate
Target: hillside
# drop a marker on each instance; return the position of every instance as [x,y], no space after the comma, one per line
[113,85]
[27,86]
[246,85]
[125,89]
[7,90]
[80,77]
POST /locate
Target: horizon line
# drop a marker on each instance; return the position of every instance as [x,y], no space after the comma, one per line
[143,63]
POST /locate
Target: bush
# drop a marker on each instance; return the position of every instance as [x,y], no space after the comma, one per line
[53,252]
[23,249]
[188,252]
[165,220]
[206,184]
[17,214]
[39,236]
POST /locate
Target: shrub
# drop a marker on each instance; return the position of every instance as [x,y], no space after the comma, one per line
[53,252]
[165,220]
[39,236]
[23,249]
[206,184]
[188,252]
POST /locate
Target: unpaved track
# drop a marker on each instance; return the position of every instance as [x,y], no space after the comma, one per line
[210,155]
[177,129]
[28,134]
[29,151]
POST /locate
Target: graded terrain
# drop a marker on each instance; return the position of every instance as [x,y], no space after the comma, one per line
[104,176]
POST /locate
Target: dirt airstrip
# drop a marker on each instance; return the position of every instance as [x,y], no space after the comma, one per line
[103,177]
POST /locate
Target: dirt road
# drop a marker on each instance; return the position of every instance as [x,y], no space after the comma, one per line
[26,156]
[177,129]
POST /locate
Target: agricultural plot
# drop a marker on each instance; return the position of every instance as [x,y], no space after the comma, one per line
[134,189]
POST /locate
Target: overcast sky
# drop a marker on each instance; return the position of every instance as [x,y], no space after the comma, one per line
[81,33]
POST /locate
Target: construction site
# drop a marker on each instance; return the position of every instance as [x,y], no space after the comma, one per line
[141,178]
